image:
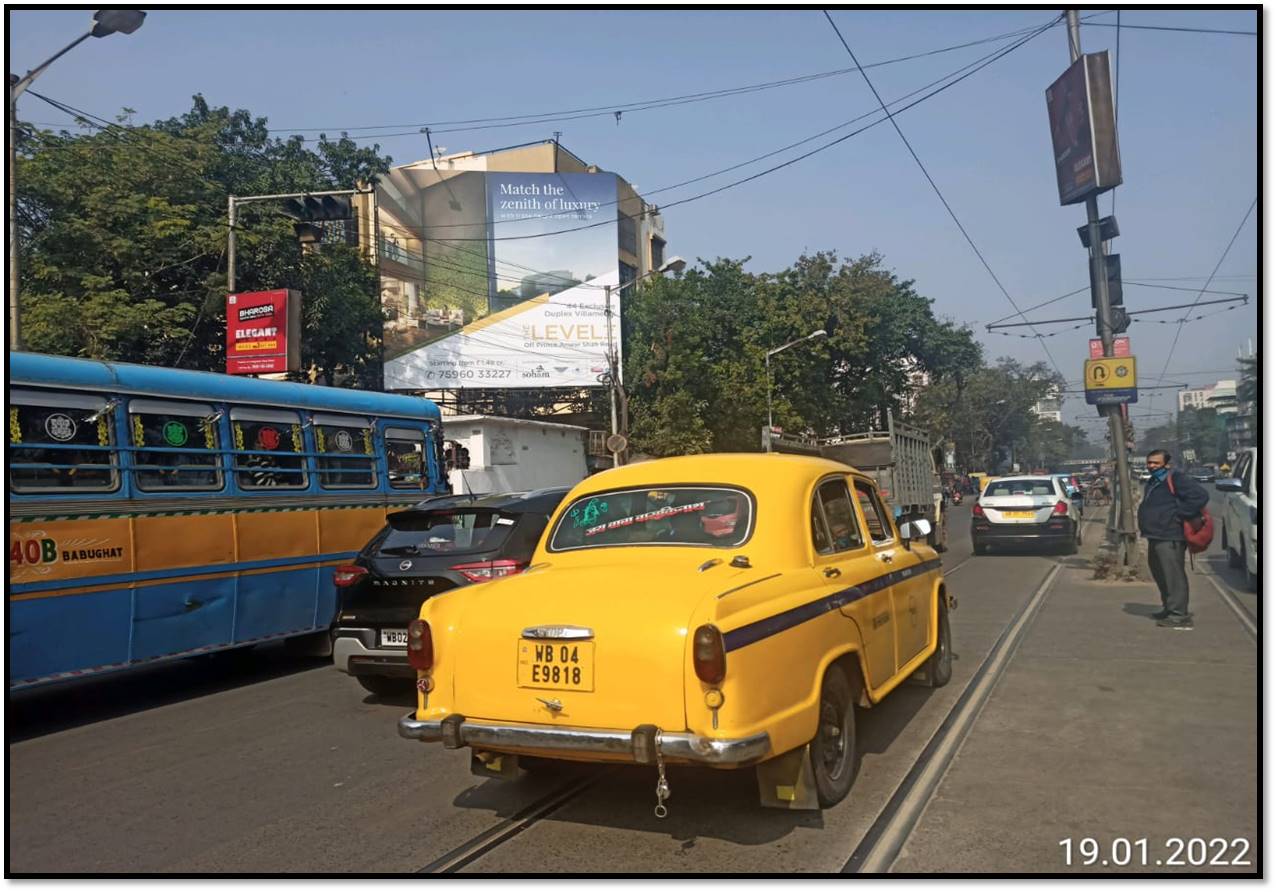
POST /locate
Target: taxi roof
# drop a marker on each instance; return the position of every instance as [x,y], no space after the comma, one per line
[753,470]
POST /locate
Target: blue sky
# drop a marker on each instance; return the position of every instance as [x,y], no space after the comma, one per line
[1188,128]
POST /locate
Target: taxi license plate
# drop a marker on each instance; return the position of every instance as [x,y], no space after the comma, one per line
[394,637]
[556,665]
[1019,514]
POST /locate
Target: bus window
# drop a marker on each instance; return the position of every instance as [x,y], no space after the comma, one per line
[268,442]
[191,430]
[61,441]
[345,447]
[405,458]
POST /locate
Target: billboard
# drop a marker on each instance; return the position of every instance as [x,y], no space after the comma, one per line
[484,288]
[1083,129]
[263,332]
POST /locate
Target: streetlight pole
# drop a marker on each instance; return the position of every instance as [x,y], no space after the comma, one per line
[674,264]
[818,333]
[105,21]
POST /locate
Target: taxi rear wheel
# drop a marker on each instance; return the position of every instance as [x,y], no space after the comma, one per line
[833,751]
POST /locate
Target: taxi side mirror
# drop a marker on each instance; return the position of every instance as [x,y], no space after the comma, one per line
[1229,484]
[915,529]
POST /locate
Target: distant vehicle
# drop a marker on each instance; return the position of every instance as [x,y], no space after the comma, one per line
[158,513]
[901,460]
[1026,510]
[1239,528]
[1203,473]
[720,611]
[439,545]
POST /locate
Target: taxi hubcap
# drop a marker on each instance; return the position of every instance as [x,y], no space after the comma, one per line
[832,738]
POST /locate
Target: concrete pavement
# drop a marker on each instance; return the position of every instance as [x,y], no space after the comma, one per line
[1107,727]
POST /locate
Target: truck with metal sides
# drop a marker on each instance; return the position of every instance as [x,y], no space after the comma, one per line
[900,458]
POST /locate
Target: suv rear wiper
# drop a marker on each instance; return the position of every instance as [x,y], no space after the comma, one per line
[402,549]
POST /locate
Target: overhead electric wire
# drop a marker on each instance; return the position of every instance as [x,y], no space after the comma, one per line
[642,104]
[935,187]
[1175,28]
[648,193]
[1231,242]
[992,58]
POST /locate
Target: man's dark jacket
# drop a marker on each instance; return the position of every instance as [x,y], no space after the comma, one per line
[1161,515]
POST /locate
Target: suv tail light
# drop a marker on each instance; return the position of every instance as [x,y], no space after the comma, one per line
[977,511]
[420,645]
[482,571]
[347,575]
[709,655]
[1060,509]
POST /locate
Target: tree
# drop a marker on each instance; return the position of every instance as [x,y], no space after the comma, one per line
[123,234]
[695,349]
[1204,432]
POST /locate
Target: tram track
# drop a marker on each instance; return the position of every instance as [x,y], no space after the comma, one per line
[881,844]
[482,843]
[1247,619]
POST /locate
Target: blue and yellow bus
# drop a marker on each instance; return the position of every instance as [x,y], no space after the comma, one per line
[156,513]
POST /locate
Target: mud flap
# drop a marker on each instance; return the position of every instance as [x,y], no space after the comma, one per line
[787,781]
[498,765]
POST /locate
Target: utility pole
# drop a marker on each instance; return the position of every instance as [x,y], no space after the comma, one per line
[1125,532]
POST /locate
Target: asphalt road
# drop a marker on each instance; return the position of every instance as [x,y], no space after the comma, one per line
[270,763]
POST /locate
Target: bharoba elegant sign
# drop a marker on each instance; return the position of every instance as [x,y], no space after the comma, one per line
[263,332]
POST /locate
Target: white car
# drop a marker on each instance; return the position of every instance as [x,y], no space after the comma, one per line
[1239,527]
[1025,510]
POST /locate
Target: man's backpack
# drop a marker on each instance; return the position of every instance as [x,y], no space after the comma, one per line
[1198,537]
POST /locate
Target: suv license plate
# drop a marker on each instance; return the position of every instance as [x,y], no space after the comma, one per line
[394,637]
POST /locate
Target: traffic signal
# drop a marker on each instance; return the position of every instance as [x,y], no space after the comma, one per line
[323,217]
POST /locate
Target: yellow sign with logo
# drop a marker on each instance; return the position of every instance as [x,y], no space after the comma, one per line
[1110,373]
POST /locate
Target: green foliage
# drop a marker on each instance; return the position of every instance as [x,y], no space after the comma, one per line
[696,346]
[1204,431]
[987,411]
[123,237]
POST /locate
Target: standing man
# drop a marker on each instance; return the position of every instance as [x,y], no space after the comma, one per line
[1170,498]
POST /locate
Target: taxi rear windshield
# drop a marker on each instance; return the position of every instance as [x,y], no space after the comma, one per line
[1020,488]
[717,517]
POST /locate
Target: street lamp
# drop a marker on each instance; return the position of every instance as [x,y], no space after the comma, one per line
[104,22]
[616,443]
[818,333]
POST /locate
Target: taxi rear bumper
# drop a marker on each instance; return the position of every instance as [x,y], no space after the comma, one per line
[457,731]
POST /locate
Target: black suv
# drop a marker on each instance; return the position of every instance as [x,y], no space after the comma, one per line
[440,544]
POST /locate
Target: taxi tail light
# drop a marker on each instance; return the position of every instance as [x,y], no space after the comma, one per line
[482,571]
[420,645]
[709,655]
[347,575]
[1060,509]
[977,511]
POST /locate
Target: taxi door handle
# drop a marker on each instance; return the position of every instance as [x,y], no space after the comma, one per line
[832,571]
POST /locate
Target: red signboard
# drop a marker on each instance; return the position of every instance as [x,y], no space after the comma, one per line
[263,332]
[1120,347]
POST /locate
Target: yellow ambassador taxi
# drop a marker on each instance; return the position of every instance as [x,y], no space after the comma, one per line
[716,610]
